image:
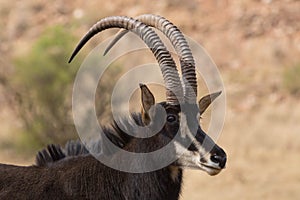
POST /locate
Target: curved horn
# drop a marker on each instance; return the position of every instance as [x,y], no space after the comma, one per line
[181,46]
[174,91]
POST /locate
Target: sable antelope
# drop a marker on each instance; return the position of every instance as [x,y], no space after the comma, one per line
[73,173]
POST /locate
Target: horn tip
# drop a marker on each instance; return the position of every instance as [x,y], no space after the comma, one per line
[72,56]
[105,52]
[70,60]
[142,85]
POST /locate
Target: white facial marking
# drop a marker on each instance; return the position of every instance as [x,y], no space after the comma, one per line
[185,132]
[191,159]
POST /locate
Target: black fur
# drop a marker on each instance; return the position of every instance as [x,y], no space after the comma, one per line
[72,173]
[49,155]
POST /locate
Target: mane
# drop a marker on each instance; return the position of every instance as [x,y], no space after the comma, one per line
[50,154]
[116,133]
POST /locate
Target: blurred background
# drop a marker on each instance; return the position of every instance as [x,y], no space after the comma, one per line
[254,43]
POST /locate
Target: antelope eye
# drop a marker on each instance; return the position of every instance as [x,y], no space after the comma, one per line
[171,118]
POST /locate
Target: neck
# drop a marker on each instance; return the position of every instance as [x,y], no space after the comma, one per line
[164,183]
[160,184]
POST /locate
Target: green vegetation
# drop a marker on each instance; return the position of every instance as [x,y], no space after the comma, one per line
[43,83]
[291,80]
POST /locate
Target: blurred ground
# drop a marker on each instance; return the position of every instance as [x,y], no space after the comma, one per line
[252,43]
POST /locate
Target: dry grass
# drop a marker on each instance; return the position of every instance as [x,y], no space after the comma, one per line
[263,149]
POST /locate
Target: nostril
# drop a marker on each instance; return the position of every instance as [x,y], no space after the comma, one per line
[221,160]
[215,158]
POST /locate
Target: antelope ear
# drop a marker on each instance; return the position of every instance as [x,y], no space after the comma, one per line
[148,100]
[205,101]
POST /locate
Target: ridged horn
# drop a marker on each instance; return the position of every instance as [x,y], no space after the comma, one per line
[181,46]
[169,71]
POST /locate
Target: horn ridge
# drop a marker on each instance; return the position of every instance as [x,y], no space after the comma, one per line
[181,46]
[169,71]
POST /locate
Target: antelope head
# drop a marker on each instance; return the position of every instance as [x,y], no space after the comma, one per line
[193,148]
